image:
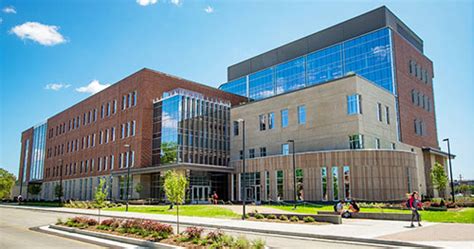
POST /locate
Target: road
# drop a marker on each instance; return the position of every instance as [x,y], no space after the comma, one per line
[15,232]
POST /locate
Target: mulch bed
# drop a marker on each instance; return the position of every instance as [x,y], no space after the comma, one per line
[287,221]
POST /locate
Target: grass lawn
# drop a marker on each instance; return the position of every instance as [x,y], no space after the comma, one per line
[186,210]
[465,215]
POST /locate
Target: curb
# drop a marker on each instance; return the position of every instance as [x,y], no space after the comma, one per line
[248,229]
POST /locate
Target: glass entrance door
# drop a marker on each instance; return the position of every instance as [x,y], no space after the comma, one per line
[200,194]
[254,194]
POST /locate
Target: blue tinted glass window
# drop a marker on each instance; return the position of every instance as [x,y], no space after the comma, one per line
[301,114]
[290,75]
[238,86]
[353,104]
[324,65]
[284,118]
[261,84]
[271,120]
[285,149]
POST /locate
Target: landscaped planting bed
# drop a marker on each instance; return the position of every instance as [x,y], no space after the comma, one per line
[283,218]
[192,237]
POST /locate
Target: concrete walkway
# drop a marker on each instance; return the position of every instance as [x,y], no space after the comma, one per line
[369,231]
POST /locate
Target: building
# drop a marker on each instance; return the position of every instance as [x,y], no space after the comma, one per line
[353,103]
[376,46]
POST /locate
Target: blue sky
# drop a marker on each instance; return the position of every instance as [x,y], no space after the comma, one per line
[79,42]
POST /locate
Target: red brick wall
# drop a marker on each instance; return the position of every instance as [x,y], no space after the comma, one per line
[28,134]
[149,85]
[406,82]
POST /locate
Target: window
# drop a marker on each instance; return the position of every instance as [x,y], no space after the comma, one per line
[129,98]
[284,118]
[251,153]
[241,154]
[114,109]
[271,120]
[387,114]
[132,129]
[112,134]
[356,142]
[377,143]
[347,182]
[102,111]
[267,184]
[263,151]
[379,112]
[419,127]
[122,131]
[236,128]
[134,102]
[279,184]
[108,109]
[100,137]
[127,133]
[124,102]
[261,119]
[324,183]
[393,146]
[299,183]
[107,136]
[285,149]
[335,183]
[353,104]
[112,162]
[302,114]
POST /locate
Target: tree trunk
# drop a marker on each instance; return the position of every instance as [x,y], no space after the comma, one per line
[177,218]
[99,216]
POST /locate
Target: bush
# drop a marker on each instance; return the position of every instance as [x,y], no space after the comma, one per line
[59,221]
[271,217]
[215,235]
[308,219]
[107,222]
[259,216]
[241,243]
[294,219]
[283,217]
[258,244]
[193,232]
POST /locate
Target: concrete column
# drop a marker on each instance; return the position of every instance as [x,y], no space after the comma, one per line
[115,188]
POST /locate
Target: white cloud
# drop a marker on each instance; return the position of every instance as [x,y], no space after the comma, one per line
[177,2]
[46,35]
[146,2]
[209,9]
[9,10]
[56,86]
[93,87]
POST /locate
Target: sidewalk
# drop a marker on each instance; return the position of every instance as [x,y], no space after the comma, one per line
[357,230]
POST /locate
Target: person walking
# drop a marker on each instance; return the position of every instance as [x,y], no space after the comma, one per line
[415,205]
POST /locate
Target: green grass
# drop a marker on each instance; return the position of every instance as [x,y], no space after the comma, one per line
[187,210]
[465,215]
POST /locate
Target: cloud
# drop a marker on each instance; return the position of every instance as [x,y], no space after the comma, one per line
[209,9]
[56,86]
[93,87]
[146,2]
[9,10]
[177,2]
[43,34]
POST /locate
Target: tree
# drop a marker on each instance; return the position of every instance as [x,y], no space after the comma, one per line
[7,180]
[34,189]
[439,178]
[139,188]
[463,189]
[175,189]
[100,196]
[58,191]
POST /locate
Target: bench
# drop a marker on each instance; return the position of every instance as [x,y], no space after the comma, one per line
[374,216]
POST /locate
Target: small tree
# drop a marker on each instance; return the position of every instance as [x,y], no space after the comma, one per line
[139,188]
[175,189]
[100,196]
[7,180]
[58,191]
[34,189]
[439,178]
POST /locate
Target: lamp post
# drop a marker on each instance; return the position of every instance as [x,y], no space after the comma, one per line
[128,176]
[294,172]
[61,180]
[243,168]
[450,167]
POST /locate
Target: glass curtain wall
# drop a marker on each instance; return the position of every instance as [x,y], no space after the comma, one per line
[38,152]
[369,56]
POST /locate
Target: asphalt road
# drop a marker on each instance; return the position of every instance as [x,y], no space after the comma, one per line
[15,232]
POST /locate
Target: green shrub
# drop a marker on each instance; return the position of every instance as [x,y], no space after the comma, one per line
[259,216]
[308,219]
[258,244]
[59,221]
[241,243]
[193,232]
[102,227]
[294,219]
[283,217]
[271,217]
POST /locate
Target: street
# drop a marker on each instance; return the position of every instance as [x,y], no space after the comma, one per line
[15,233]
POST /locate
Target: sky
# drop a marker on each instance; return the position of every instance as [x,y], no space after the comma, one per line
[55,53]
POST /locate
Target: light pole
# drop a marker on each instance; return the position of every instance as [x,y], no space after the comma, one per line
[243,168]
[61,180]
[450,167]
[128,176]
[294,171]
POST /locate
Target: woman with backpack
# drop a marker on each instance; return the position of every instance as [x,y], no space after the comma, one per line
[414,204]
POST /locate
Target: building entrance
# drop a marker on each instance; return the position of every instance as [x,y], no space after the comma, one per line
[200,194]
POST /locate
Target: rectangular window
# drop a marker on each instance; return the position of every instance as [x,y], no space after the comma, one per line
[261,119]
[112,162]
[354,104]
[377,143]
[114,109]
[236,128]
[271,120]
[129,98]
[102,111]
[107,136]
[99,162]
[263,151]
[100,137]
[124,102]
[122,132]
[302,114]
[279,184]
[134,98]
[347,182]
[133,128]
[251,153]
[267,184]
[379,112]
[335,183]
[393,146]
[241,154]
[387,114]
[127,129]
[324,183]
[356,142]
[285,149]
[284,118]
[112,134]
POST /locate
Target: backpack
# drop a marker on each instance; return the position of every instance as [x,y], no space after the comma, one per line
[407,203]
